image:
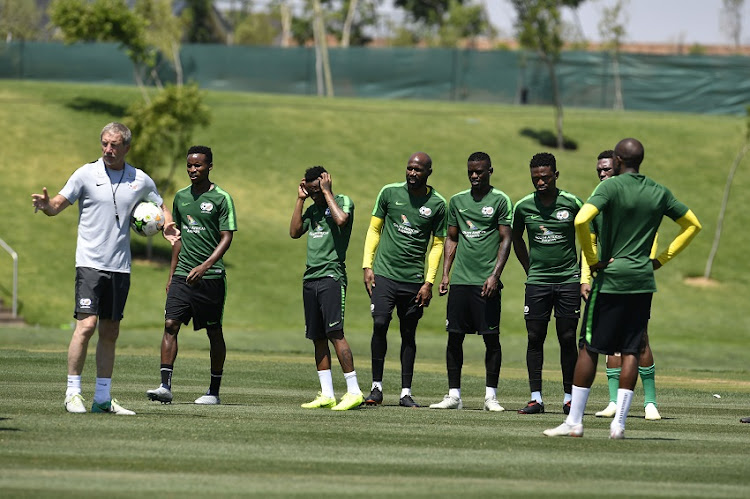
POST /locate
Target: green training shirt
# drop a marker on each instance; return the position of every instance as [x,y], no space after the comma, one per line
[552,237]
[201,220]
[631,208]
[327,242]
[409,222]
[478,235]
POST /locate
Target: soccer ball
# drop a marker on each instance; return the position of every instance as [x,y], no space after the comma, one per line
[147,219]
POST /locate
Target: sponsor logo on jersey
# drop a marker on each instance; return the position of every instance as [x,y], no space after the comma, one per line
[206,207]
[405,221]
[84,303]
[400,203]
[191,220]
[547,236]
[526,310]
[328,212]
[471,224]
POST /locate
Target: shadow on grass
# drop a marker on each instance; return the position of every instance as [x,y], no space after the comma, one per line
[8,429]
[548,139]
[96,106]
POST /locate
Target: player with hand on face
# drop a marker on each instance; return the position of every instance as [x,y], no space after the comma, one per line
[107,191]
[328,224]
[196,286]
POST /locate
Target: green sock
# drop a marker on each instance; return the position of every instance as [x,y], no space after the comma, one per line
[649,384]
[613,381]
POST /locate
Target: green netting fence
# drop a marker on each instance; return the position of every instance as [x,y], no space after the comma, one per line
[687,83]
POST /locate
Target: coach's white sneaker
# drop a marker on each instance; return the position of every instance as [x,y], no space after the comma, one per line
[652,413]
[616,432]
[208,399]
[491,404]
[74,404]
[448,402]
[608,412]
[565,430]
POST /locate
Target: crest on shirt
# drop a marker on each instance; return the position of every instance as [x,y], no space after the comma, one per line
[328,212]
[487,211]
[425,211]
[206,207]
[563,215]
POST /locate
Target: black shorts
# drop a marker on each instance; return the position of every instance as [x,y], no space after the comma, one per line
[325,301]
[204,302]
[542,298]
[101,292]
[615,323]
[469,312]
[388,294]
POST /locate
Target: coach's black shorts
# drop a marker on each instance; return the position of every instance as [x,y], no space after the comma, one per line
[388,294]
[203,302]
[615,323]
[542,298]
[325,301]
[101,292]
[469,312]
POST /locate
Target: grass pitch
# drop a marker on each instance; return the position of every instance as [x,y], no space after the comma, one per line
[259,442]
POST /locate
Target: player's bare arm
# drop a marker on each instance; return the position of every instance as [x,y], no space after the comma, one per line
[197,273]
[295,226]
[49,207]
[449,254]
[340,217]
[492,284]
[519,248]
[170,232]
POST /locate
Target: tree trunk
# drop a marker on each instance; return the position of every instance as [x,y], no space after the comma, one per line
[286,25]
[724,202]
[346,31]
[558,105]
[321,45]
[618,105]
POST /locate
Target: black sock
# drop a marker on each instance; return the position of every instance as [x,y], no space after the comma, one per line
[166,375]
[213,388]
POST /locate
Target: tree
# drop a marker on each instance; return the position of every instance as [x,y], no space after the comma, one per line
[163,124]
[612,32]
[731,20]
[463,22]
[430,12]
[538,28]
[19,19]
[164,128]
[106,21]
[204,26]
[259,28]
[744,149]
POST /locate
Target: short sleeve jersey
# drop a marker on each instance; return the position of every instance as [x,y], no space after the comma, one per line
[478,236]
[106,198]
[409,222]
[552,238]
[327,242]
[631,208]
[201,220]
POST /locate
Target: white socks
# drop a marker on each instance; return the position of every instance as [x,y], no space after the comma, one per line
[74,385]
[536,396]
[351,383]
[624,398]
[455,392]
[405,392]
[578,400]
[326,383]
[490,392]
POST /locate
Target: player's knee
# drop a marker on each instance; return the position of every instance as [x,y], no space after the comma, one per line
[537,332]
[380,324]
[171,327]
